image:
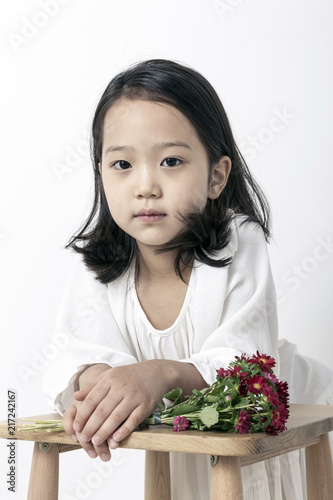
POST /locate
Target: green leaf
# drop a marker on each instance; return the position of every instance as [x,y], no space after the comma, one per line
[174,395]
[211,399]
[225,426]
[183,410]
[252,397]
[209,416]
[241,403]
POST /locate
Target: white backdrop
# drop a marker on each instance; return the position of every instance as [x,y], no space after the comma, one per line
[271,63]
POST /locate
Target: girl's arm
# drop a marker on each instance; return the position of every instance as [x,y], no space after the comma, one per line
[114,401]
[82,335]
[90,374]
[234,308]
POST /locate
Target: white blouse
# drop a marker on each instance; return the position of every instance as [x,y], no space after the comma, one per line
[226,311]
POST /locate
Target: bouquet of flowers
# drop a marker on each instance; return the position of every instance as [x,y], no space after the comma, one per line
[246,397]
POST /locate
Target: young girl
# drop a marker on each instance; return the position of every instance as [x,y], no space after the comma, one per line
[172,278]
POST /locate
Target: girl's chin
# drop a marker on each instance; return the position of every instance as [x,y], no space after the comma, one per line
[151,245]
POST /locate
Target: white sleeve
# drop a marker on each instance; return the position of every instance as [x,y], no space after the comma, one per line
[89,334]
[235,306]
[310,381]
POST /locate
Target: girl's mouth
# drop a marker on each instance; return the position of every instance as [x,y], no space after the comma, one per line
[149,215]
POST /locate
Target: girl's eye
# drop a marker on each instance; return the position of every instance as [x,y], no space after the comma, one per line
[121,165]
[171,162]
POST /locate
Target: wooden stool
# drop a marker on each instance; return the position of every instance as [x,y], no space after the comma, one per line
[308,427]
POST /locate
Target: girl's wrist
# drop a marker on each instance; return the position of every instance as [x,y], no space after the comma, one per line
[90,373]
[189,378]
[179,374]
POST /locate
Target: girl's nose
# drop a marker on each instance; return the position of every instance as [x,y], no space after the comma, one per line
[147,185]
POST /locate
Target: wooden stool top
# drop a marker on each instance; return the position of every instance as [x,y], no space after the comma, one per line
[305,426]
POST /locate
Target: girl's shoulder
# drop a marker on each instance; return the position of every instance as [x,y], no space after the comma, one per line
[82,286]
[247,231]
[244,234]
[250,247]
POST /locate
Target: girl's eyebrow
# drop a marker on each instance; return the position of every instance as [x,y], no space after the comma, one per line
[159,145]
[118,148]
[178,144]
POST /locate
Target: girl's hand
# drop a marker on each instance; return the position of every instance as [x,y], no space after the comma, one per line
[92,450]
[87,379]
[122,398]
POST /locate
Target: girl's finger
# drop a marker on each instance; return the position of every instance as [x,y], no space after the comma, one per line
[102,418]
[89,406]
[135,418]
[94,451]
[82,393]
[127,418]
[68,420]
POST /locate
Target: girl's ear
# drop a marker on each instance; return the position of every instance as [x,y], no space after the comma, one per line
[100,168]
[219,177]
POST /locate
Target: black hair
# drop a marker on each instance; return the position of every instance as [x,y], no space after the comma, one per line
[107,250]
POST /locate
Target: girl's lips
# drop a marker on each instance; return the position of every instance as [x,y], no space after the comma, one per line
[150,218]
[149,215]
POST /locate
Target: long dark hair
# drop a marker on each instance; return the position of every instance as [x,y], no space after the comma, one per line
[107,250]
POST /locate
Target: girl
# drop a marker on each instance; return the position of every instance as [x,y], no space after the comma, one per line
[172,278]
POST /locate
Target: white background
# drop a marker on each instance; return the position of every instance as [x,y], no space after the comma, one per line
[265,59]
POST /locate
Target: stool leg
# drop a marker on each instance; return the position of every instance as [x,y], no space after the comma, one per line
[157,476]
[319,470]
[227,479]
[44,472]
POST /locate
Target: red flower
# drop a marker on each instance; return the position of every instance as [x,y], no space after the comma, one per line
[243,388]
[280,416]
[264,362]
[242,358]
[282,389]
[255,384]
[243,422]
[180,424]
[223,372]
[271,430]
[237,370]
[272,396]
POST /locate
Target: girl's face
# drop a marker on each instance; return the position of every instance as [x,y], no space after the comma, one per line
[154,167]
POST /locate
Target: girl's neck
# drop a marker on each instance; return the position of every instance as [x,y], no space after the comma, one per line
[158,285]
[159,268]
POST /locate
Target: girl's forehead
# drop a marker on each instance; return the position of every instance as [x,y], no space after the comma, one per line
[143,109]
[126,115]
